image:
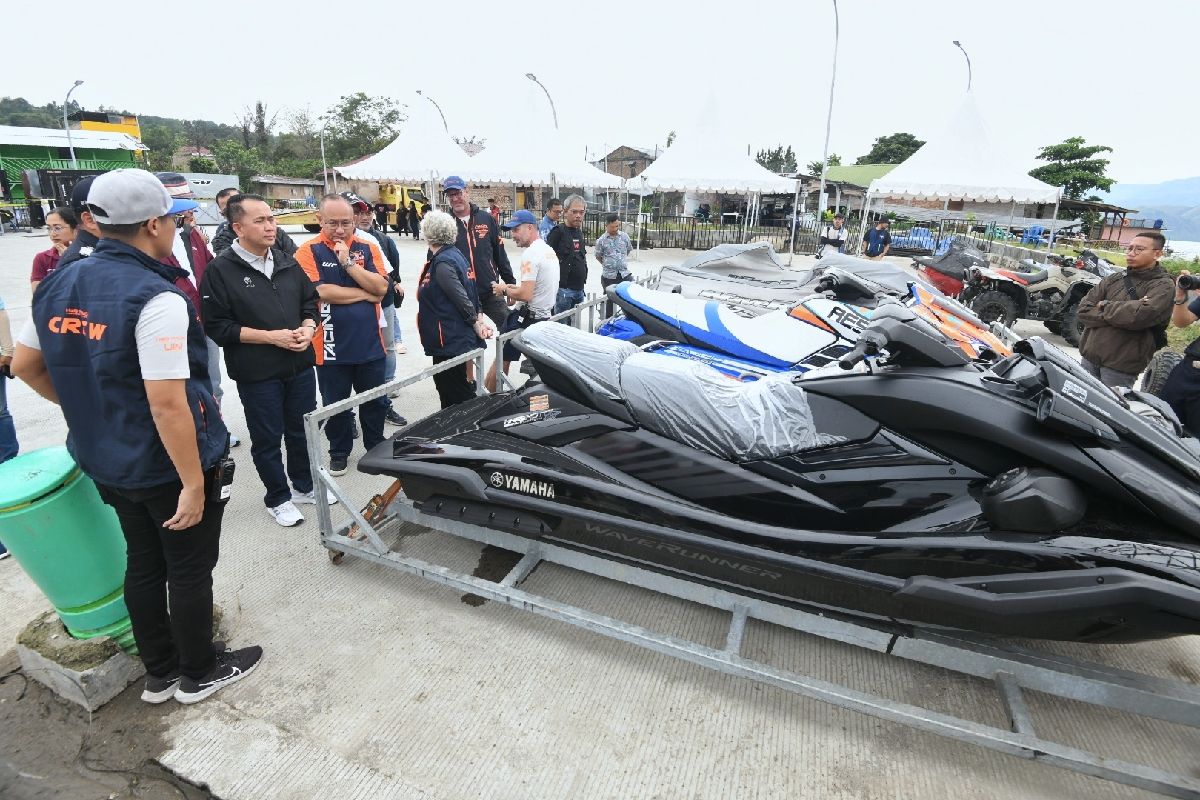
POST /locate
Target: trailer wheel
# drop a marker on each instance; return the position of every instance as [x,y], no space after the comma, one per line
[1161,364]
[313,228]
[336,556]
[995,306]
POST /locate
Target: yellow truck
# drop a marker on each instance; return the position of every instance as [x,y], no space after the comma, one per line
[390,194]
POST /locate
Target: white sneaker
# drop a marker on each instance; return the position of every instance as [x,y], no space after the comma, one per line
[286,514]
[311,497]
[400,348]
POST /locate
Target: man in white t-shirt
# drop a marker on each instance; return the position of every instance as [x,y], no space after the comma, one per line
[129,369]
[533,298]
[833,237]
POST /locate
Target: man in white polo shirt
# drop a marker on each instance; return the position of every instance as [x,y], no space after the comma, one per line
[531,300]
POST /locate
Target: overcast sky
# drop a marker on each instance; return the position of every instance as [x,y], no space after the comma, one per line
[1117,73]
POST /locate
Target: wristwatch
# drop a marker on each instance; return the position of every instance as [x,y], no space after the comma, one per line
[1181,302]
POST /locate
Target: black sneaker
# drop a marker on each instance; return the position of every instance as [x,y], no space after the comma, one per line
[160,690]
[232,666]
[392,418]
[337,466]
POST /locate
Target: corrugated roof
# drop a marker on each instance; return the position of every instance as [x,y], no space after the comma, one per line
[55,137]
[283,179]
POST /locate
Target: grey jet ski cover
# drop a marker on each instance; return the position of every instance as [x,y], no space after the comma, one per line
[751,277]
[695,404]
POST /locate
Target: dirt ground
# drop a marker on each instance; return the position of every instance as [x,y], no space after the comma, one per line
[50,748]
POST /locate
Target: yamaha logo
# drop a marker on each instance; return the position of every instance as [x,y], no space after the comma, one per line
[524,485]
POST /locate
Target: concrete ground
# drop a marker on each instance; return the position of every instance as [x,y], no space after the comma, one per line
[380,685]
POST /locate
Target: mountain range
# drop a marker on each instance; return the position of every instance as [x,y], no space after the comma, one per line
[1176,202]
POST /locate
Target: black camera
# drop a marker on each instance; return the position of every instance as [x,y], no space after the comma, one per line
[1188,282]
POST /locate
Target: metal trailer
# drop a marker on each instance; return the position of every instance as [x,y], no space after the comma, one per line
[1012,669]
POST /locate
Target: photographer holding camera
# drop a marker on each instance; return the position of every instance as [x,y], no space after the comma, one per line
[1182,388]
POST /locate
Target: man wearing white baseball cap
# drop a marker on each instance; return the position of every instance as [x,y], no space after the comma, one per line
[114,342]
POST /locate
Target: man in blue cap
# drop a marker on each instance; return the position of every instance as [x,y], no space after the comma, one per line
[532,300]
[480,243]
[113,342]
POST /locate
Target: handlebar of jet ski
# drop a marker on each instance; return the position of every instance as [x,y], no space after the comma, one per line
[865,347]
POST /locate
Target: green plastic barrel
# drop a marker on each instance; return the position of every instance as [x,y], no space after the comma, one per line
[68,541]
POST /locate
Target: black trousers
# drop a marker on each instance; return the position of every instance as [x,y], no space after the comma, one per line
[1182,393]
[607,282]
[168,578]
[452,384]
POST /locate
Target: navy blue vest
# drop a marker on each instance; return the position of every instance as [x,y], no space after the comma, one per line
[443,330]
[86,317]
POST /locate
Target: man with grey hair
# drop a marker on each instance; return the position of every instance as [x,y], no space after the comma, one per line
[566,240]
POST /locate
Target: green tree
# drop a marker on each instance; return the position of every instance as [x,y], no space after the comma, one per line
[234,158]
[1073,166]
[163,142]
[360,125]
[777,159]
[891,149]
[814,167]
[201,164]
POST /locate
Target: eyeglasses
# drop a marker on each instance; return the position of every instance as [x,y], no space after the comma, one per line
[58,228]
[337,224]
[1137,248]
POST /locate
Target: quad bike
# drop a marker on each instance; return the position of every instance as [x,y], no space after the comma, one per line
[1050,294]
[947,272]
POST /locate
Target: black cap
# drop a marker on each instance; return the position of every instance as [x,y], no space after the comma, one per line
[79,194]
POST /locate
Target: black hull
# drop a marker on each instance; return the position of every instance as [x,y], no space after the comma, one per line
[891,519]
[1080,601]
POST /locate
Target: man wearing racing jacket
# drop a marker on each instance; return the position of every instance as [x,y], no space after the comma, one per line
[480,243]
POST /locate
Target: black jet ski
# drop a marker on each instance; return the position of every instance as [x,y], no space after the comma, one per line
[914,487]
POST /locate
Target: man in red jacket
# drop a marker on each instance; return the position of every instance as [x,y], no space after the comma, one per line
[190,253]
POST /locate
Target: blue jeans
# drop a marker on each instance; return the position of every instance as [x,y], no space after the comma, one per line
[567,298]
[8,431]
[275,410]
[389,341]
[336,382]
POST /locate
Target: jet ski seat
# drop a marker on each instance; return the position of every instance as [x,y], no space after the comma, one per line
[582,366]
[698,406]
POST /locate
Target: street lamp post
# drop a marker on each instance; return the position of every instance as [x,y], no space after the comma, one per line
[964,52]
[825,153]
[67,127]
[439,109]
[324,168]
[553,110]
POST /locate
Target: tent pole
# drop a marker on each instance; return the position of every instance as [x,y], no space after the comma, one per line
[1054,223]
[866,208]
[1012,217]
[795,220]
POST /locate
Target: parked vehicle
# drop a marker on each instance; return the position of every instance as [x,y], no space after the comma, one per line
[948,271]
[915,485]
[1050,294]
[812,334]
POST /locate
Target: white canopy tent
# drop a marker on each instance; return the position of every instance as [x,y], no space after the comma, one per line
[542,160]
[422,152]
[961,163]
[703,163]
